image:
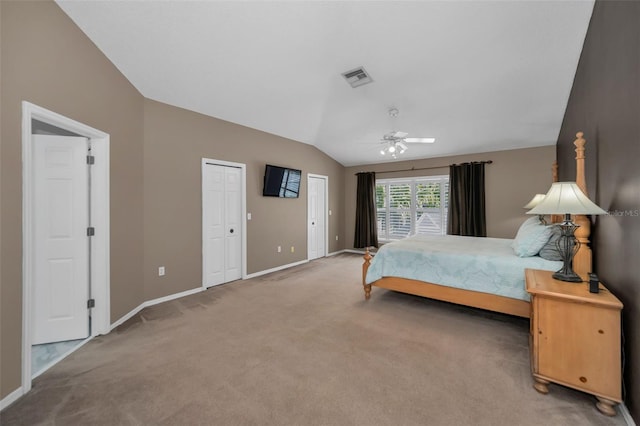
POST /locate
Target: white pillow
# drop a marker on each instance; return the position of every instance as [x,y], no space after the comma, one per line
[531,237]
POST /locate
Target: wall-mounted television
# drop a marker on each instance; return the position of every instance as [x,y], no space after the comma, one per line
[281,182]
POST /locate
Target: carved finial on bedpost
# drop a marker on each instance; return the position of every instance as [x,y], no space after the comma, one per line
[582,259]
[365,267]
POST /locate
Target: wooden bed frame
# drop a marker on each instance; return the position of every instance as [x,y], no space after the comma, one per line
[491,302]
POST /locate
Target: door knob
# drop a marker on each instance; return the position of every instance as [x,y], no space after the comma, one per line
[313,223]
[231,231]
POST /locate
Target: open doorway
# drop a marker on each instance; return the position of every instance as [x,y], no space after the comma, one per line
[65,237]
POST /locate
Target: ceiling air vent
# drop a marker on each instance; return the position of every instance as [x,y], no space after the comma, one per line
[357,77]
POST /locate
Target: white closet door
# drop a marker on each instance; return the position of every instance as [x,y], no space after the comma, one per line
[321,215]
[222,224]
[213,211]
[233,224]
[316,217]
[61,255]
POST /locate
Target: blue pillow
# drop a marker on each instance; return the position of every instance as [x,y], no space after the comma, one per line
[531,237]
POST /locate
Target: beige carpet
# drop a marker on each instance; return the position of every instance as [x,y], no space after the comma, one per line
[303,347]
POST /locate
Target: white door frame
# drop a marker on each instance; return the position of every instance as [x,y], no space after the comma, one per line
[243,220]
[100,260]
[326,212]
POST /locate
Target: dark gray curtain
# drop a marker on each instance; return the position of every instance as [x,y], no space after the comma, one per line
[366,225]
[466,200]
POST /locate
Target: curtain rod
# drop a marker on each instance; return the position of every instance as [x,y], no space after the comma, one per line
[432,167]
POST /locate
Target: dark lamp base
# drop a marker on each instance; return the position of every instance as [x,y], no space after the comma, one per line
[569,277]
[567,246]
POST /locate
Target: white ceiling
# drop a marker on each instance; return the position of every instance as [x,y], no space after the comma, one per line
[477,75]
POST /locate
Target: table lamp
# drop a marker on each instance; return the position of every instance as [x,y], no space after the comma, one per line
[566,198]
[534,202]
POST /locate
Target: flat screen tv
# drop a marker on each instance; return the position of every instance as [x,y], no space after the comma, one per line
[281,182]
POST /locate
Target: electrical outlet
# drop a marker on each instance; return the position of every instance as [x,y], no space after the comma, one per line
[329,212]
[336,238]
[293,249]
[161,271]
[248,216]
[279,249]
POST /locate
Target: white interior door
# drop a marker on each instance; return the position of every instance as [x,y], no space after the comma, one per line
[233,223]
[316,212]
[222,224]
[61,245]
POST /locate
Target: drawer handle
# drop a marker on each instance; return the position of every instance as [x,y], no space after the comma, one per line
[583,379]
[600,331]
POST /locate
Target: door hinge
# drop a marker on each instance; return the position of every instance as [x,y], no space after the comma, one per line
[91,303]
[91,159]
[91,231]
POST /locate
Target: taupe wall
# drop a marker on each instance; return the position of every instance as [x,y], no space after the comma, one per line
[156,153]
[510,182]
[605,105]
[176,140]
[48,61]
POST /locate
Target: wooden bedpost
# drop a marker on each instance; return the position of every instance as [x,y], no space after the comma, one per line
[582,259]
[365,267]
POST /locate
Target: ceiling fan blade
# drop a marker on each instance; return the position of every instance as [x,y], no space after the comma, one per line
[399,135]
[420,140]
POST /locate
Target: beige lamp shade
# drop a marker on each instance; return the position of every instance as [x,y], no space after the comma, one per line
[566,198]
[534,201]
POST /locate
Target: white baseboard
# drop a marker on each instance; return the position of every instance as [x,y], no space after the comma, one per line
[276,269]
[127,316]
[155,302]
[362,252]
[173,296]
[335,252]
[626,415]
[11,398]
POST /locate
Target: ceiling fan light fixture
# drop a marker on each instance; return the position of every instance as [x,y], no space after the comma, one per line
[395,141]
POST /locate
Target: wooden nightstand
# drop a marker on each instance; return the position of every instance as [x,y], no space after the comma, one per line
[575,338]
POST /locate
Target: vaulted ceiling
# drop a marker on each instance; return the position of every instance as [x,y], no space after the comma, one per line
[477,75]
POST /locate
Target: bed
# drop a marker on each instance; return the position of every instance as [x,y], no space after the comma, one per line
[479,272]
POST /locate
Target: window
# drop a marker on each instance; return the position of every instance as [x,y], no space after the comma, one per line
[412,206]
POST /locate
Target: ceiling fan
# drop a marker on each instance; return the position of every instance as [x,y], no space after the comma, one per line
[395,142]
